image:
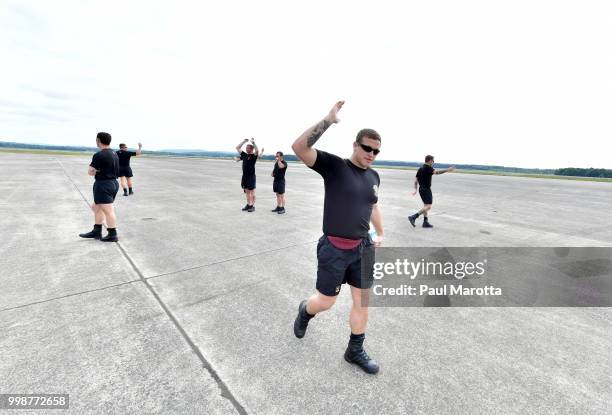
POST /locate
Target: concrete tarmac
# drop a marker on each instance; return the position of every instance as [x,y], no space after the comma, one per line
[192,311]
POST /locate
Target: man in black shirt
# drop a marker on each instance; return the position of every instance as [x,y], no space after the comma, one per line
[423,181]
[278,186]
[351,202]
[125,171]
[249,158]
[105,167]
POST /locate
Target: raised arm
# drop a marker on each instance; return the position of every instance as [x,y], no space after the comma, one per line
[255,148]
[442,171]
[302,147]
[139,149]
[239,146]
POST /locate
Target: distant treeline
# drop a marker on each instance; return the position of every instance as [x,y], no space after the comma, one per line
[290,157]
[578,172]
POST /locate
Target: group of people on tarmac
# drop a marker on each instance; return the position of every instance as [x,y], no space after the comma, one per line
[248,182]
[106,166]
[350,205]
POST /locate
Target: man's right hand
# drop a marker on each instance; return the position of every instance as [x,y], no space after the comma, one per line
[332,117]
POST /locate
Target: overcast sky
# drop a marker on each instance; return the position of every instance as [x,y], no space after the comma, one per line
[520,83]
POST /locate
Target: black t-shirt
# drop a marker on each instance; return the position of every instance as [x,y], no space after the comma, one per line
[124,157]
[424,174]
[350,193]
[106,163]
[278,173]
[248,163]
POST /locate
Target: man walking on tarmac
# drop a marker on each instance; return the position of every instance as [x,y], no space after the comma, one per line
[423,181]
[351,202]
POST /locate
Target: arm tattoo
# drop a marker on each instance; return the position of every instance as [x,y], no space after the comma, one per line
[318,132]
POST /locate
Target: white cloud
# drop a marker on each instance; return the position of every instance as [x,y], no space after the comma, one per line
[525,83]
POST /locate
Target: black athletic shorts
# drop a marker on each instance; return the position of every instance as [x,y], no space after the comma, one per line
[278,186]
[339,266]
[248,182]
[125,172]
[426,195]
[104,191]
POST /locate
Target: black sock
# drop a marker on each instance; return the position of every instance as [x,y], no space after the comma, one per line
[416,215]
[307,315]
[112,231]
[124,191]
[356,341]
[97,228]
[425,219]
[131,190]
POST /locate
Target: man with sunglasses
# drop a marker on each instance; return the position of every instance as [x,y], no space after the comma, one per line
[351,203]
[423,181]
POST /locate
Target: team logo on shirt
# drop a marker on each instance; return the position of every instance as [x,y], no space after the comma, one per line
[375,190]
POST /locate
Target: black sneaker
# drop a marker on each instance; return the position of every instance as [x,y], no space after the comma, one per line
[301,321]
[109,238]
[251,209]
[412,218]
[426,224]
[361,359]
[125,193]
[276,209]
[281,211]
[246,207]
[92,234]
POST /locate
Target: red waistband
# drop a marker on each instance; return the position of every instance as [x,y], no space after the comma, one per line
[343,243]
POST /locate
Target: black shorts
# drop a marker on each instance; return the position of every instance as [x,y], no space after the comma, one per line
[426,195]
[278,186]
[104,191]
[125,172]
[339,266]
[248,182]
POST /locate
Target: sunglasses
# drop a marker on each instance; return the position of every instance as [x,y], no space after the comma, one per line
[368,149]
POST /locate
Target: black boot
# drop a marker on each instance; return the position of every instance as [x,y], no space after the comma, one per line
[246,207]
[96,233]
[281,210]
[301,321]
[276,209]
[426,223]
[125,193]
[356,355]
[111,237]
[131,191]
[413,218]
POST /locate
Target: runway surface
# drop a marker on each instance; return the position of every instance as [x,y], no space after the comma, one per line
[192,311]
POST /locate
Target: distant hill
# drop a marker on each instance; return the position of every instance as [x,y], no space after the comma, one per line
[291,157]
